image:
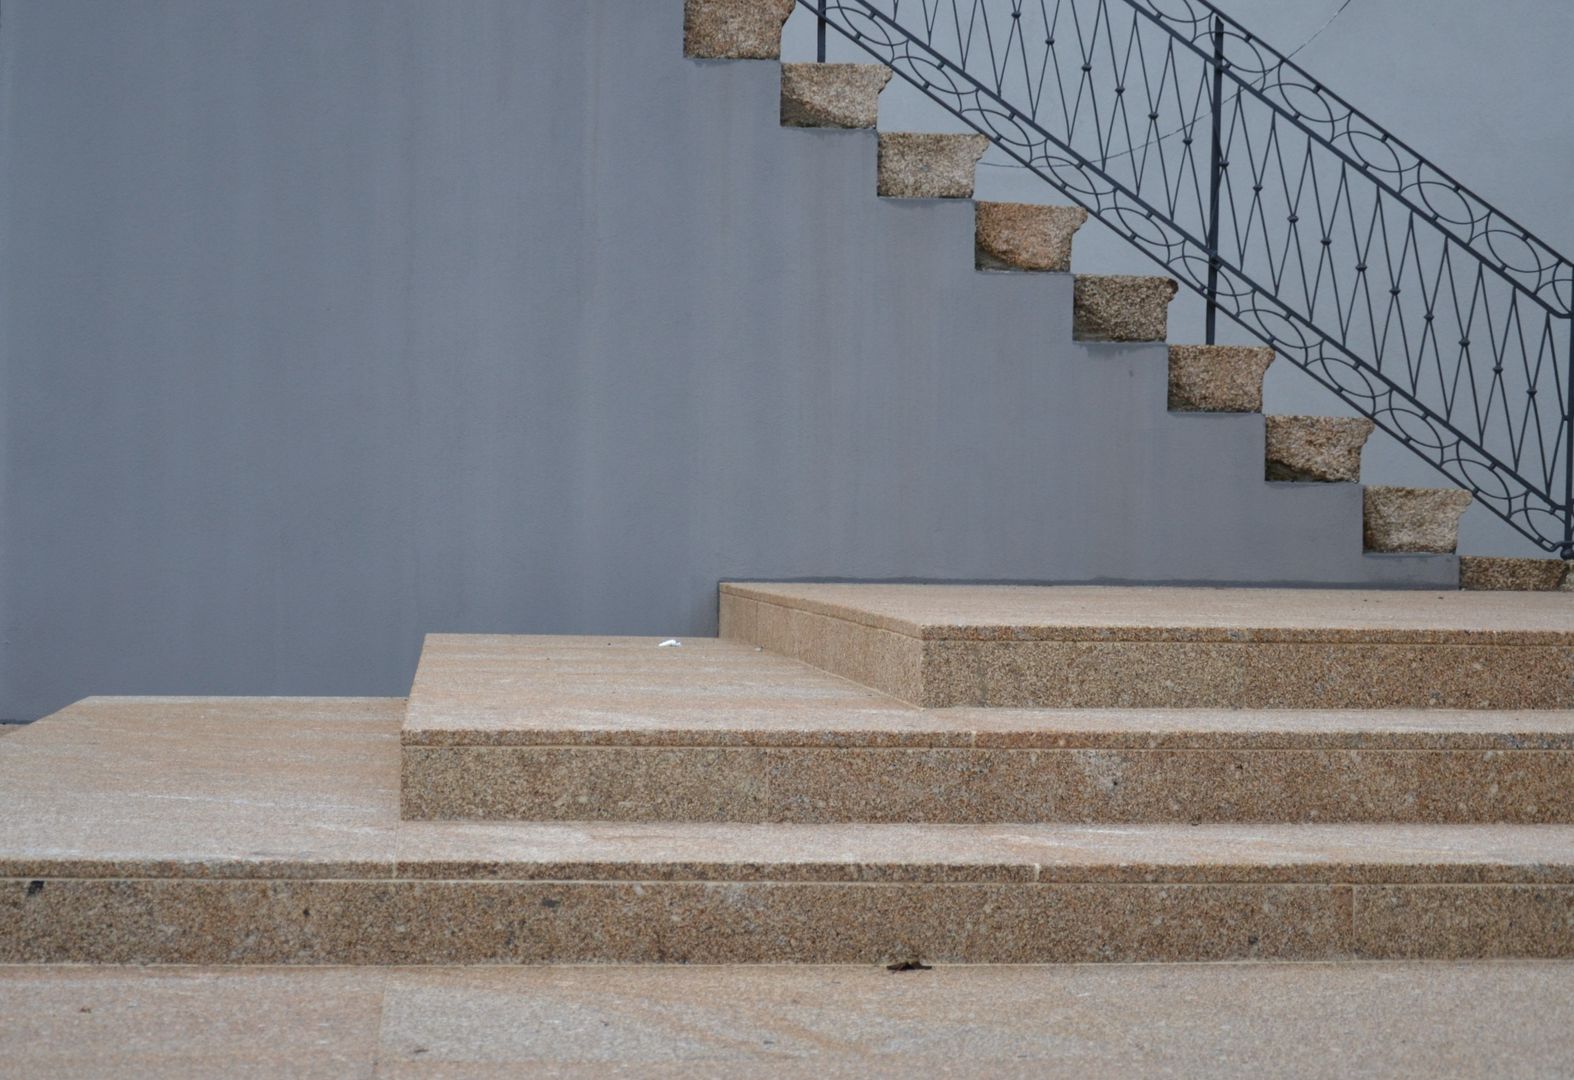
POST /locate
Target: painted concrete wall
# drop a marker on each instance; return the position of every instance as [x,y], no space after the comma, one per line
[328,323]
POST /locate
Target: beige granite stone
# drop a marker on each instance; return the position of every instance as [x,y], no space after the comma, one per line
[832,95]
[96,871]
[487,690]
[1217,378]
[842,784]
[1095,674]
[916,165]
[1158,613]
[1112,307]
[1323,449]
[1413,519]
[1100,647]
[1464,1020]
[1025,236]
[1495,573]
[734,29]
[1416,921]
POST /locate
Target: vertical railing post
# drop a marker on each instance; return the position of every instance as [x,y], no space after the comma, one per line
[1215,181]
[1568,448]
[819,34]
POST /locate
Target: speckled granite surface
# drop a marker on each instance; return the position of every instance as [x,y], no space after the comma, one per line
[1116,307]
[246,831]
[832,95]
[547,728]
[1112,647]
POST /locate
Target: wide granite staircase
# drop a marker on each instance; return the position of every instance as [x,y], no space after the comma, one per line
[851,774]
[865,773]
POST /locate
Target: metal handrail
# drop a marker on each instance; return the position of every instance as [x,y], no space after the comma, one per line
[1239,244]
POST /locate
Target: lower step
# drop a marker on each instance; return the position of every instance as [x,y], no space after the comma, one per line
[621,729]
[1119,647]
[266,831]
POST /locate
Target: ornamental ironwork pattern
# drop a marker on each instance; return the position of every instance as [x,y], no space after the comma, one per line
[1285,208]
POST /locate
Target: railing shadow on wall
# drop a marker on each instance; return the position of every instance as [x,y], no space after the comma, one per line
[1286,208]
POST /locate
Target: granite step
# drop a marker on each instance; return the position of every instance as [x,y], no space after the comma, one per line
[621,729]
[1315,449]
[832,95]
[1496,573]
[1121,307]
[923,165]
[1218,378]
[1141,647]
[1412,519]
[1025,236]
[266,831]
[734,29]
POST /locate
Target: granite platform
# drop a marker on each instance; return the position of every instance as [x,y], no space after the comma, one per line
[624,729]
[267,831]
[1152,647]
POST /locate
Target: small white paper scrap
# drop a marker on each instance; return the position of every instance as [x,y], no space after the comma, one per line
[670,643]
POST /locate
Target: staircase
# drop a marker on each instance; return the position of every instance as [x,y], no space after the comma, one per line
[1117,309]
[1118,774]
[862,773]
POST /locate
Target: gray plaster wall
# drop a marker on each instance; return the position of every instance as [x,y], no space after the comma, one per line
[328,323]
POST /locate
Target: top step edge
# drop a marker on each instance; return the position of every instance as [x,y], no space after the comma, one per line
[1180,613]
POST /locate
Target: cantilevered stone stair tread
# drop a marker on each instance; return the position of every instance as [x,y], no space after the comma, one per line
[1412,519]
[923,165]
[1121,307]
[1321,449]
[734,29]
[1025,236]
[1217,378]
[118,851]
[1508,574]
[832,95]
[1096,646]
[544,728]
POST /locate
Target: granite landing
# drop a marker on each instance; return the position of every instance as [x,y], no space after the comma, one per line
[622,729]
[267,831]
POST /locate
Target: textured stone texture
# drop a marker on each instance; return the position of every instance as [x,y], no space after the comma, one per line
[276,861]
[947,785]
[1498,574]
[549,728]
[1413,519]
[832,95]
[1217,378]
[927,166]
[1316,448]
[1115,307]
[1025,236]
[1169,613]
[1466,1021]
[734,29]
[1078,647]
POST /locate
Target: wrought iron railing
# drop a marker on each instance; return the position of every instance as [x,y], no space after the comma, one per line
[1286,208]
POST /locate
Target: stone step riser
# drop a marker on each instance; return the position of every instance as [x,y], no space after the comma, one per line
[926,166]
[1023,236]
[1096,667]
[1413,519]
[1217,378]
[1117,307]
[832,95]
[813,785]
[734,29]
[360,921]
[1495,574]
[1316,449]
